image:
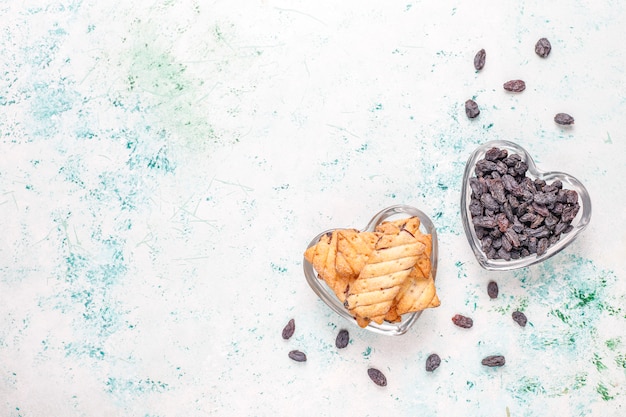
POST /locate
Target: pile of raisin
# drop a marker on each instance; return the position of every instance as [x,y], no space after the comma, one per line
[514,216]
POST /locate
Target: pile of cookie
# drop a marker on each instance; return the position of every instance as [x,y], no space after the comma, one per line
[379,275]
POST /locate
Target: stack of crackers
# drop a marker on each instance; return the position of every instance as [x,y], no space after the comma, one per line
[379,275]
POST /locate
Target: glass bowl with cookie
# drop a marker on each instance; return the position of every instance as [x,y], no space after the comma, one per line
[515,214]
[380,277]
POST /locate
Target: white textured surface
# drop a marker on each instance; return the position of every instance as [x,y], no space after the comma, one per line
[164,165]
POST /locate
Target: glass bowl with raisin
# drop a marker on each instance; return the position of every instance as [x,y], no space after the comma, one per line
[514,214]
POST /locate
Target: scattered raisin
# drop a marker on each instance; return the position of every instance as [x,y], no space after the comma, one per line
[297,356]
[493,360]
[462,321]
[519,318]
[289,328]
[377,376]
[343,337]
[492,289]
[471,109]
[564,119]
[479,59]
[543,47]
[433,362]
[515,86]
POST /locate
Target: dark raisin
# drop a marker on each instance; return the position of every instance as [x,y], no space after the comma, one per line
[520,168]
[343,337]
[486,243]
[536,222]
[559,228]
[506,245]
[462,321]
[494,154]
[492,289]
[484,221]
[479,59]
[551,221]
[289,328]
[489,202]
[471,109]
[503,253]
[569,213]
[494,360]
[377,376]
[432,362]
[512,237]
[541,209]
[496,188]
[563,119]
[297,356]
[503,222]
[543,47]
[572,197]
[476,208]
[485,167]
[515,86]
[519,318]
[542,246]
[545,198]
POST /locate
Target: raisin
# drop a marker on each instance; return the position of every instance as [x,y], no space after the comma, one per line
[515,86]
[495,154]
[543,47]
[496,188]
[471,109]
[503,222]
[476,208]
[492,289]
[494,360]
[432,362]
[569,213]
[479,59]
[512,237]
[462,321]
[572,197]
[485,166]
[563,119]
[289,328]
[297,356]
[484,221]
[519,318]
[343,337]
[542,246]
[503,253]
[377,376]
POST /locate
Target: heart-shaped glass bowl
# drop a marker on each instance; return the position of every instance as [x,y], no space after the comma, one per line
[328,296]
[579,223]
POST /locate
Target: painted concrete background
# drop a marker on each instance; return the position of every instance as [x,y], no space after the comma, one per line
[165,163]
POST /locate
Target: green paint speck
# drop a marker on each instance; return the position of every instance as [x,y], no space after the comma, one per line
[613,343]
[604,392]
[560,315]
[597,361]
